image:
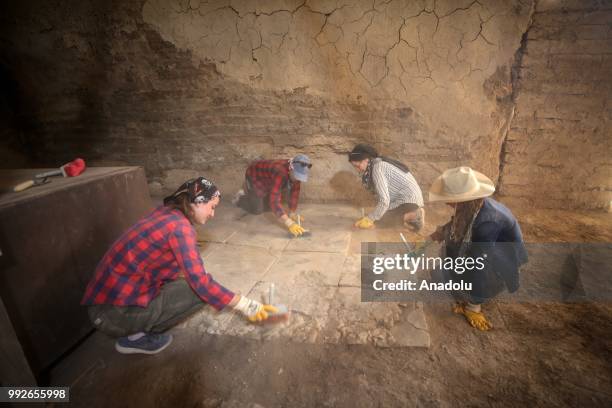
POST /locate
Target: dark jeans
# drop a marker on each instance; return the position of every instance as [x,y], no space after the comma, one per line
[395,217]
[174,303]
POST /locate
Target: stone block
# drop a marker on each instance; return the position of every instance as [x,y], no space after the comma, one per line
[351,271]
[307,269]
[261,231]
[384,324]
[321,240]
[237,273]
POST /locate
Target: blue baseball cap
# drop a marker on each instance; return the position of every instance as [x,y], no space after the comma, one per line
[301,165]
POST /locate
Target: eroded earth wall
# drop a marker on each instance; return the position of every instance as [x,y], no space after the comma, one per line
[188,87]
[558,152]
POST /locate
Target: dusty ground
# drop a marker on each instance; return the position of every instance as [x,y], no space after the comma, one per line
[538,354]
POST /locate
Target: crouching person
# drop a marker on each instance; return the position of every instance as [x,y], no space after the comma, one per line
[265,183]
[400,200]
[152,277]
[480,228]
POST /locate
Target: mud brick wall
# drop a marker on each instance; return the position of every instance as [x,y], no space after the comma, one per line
[204,87]
[558,152]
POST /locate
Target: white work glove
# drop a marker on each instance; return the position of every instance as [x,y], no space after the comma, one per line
[253,310]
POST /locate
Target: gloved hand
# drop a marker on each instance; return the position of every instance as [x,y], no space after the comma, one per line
[295,229]
[294,217]
[253,310]
[364,223]
[476,319]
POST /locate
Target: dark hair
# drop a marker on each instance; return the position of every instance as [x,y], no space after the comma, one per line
[362,152]
[181,203]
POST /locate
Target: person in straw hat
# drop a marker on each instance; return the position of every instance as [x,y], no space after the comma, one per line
[480,227]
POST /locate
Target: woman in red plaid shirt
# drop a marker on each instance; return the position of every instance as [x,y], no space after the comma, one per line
[152,277]
[266,181]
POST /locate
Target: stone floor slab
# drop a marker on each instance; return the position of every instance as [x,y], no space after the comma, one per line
[309,313]
[219,233]
[381,324]
[262,231]
[304,269]
[380,235]
[238,268]
[340,216]
[411,330]
[317,277]
[321,240]
[351,271]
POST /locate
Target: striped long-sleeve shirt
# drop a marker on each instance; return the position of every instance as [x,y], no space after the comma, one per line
[394,187]
[157,249]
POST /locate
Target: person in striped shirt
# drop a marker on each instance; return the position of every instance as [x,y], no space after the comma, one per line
[153,277]
[265,183]
[400,200]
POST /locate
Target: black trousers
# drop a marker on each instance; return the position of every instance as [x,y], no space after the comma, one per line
[252,203]
[395,217]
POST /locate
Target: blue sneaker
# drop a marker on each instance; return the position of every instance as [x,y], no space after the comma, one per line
[147,344]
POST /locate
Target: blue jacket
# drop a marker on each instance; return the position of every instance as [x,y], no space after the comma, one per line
[496,232]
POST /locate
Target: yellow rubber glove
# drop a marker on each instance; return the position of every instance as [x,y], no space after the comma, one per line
[296,230]
[476,319]
[364,223]
[253,310]
[262,314]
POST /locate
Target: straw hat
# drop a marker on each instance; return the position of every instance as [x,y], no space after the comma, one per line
[460,184]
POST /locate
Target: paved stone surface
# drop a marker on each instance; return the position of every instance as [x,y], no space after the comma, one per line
[381,324]
[262,231]
[219,233]
[321,240]
[307,269]
[351,271]
[238,267]
[317,278]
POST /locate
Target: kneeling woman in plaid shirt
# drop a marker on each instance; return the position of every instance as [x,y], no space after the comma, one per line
[265,182]
[152,277]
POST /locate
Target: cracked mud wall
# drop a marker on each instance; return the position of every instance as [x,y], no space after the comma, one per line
[558,152]
[424,81]
[187,87]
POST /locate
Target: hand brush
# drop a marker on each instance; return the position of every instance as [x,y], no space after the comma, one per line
[281,315]
[305,234]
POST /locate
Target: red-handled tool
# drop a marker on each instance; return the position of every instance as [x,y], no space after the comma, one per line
[72,169]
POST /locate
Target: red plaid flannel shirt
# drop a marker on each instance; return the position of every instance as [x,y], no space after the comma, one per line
[154,251]
[271,177]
